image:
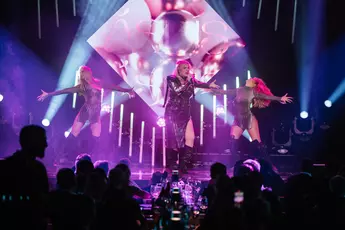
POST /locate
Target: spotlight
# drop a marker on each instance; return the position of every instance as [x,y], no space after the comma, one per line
[45,122]
[304,114]
[1,97]
[67,133]
[281,139]
[220,110]
[161,122]
[328,103]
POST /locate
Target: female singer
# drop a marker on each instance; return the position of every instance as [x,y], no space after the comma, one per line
[179,125]
[255,93]
[90,88]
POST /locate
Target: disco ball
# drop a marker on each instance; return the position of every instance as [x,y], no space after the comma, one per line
[175,34]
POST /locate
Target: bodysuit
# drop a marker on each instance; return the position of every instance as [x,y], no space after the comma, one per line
[177,112]
[91,110]
[244,97]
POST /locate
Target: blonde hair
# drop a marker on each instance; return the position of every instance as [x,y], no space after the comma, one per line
[181,62]
[83,84]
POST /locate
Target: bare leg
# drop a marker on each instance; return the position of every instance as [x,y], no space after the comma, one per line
[76,127]
[190,136]
[96,129]
[254,131]
[236,132]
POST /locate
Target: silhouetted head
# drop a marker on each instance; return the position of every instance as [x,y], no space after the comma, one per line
[117,178]
[33,140]
[337,186]
[84,167]
[125,169]
[104,165]
[217,170]
[65,179]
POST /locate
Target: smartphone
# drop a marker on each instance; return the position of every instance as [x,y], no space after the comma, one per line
[238,198]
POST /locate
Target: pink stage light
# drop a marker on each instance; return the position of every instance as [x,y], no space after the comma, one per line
[161,122]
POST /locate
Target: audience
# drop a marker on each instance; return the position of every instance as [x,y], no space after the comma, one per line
[88,197]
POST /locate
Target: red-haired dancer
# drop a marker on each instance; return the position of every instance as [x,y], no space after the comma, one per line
[254,93]
[179,125]
[90,88]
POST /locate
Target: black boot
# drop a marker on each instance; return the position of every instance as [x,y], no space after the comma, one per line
[260,151]
[70,150]
[95,150]
[234,147]
[171,158]
[185,159]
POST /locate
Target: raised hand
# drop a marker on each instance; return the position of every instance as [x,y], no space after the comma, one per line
[43,96]
[213,85]
[285,99]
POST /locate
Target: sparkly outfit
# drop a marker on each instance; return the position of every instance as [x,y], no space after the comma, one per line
[244,97]
[91,110]
[177,112]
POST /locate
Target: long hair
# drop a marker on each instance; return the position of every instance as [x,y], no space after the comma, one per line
[181,62]
[175,73]
[95,83]
[262,88]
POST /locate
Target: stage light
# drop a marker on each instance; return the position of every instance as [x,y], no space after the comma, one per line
[161,122]
[67,133]
[248,75]
[304,114]
[304,128]
[1,97]
[45,122]
[240,44]
[328,103]
[131,135]
[220,110]
[281,139]
[237,82]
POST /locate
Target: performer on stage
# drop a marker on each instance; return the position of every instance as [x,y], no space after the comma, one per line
[90,88]
[254,93]
[179,125]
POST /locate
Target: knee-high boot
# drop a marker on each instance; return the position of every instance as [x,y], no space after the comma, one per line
[70,149]
[95,150]
[185,158]
[171,158]
[234,147]
[260,151]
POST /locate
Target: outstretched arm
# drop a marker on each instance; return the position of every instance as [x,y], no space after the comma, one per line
[200,84]
[74,89]
[44,95]
[267,97]
[229,92]
[116,88]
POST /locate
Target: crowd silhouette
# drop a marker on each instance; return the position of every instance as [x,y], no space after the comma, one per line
[93,196]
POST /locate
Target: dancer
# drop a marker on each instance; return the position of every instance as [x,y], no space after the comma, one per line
[179,125]
[255,93]
[90,88]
